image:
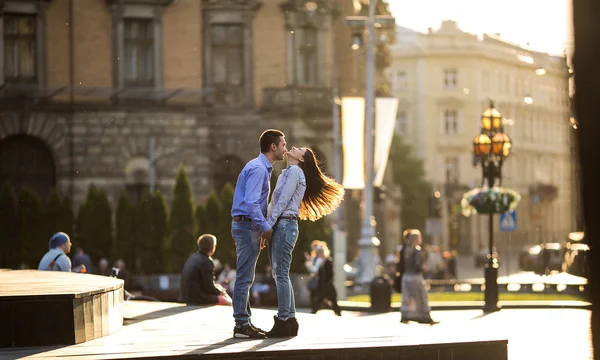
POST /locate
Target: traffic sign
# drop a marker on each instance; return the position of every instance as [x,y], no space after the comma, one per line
[508,221]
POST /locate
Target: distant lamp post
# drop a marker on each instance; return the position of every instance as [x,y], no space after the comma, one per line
[490,149]
[528,100]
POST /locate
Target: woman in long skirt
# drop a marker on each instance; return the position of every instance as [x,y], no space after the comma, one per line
[415,302]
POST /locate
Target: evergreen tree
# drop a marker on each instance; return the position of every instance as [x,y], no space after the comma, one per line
[213,214]
[53,214]
[159,235]
[409,174]
[66,220]
[181,228]
[201,225]
[125,244]
[226,246]
[94,233]
[10,243]
[152,235]
[31,228]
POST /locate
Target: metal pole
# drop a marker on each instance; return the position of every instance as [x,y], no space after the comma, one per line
[508,255]
[366,242]
[151,177]
[339,237]
[491,267]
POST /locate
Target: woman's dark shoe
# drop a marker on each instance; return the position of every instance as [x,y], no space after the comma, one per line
[280,329]
[293,323]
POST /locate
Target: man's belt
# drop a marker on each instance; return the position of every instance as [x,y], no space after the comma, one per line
[288,217]
[241,218]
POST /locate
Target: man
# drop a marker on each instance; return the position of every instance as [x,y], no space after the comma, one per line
[249,224]
[197,277]
[56,258]
[81,258]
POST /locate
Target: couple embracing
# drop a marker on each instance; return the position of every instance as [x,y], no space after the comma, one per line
[302,192]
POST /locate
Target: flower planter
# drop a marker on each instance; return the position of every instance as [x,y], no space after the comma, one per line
[495,200]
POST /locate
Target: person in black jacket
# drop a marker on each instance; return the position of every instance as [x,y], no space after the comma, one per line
[197,277]
[321,267]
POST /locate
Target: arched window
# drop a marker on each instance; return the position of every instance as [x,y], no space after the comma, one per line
[26,161]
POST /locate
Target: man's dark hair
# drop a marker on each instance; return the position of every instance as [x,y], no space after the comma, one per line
[207,243]
[268,137]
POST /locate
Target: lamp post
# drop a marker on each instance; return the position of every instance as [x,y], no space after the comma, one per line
[368,242]
[490,148]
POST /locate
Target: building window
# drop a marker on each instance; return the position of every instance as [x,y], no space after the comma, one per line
[138,47]
[452,170]
[19,48]
[401,83]
[402,123]
[450,78]
[451,122]
[227,47]
[307,65]
[138,42]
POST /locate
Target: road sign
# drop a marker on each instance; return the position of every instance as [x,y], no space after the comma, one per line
[508,221]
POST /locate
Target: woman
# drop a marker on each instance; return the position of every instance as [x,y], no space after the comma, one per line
[320,266]
[302,192]
[415,302]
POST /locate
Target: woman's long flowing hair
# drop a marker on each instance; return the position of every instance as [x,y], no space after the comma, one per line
[323,195]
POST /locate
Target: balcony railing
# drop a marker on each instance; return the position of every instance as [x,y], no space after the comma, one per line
[296,98]
[81,95]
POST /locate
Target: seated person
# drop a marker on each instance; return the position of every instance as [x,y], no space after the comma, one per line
[56,258]
[197,277]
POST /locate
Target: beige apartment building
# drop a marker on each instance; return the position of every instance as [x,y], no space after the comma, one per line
[444,79]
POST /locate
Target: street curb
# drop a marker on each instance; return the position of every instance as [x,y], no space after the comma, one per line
[474,305]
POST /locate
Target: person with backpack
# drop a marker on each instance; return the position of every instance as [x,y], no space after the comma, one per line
[56,258]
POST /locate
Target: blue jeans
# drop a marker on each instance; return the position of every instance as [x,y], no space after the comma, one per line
[247,247]
[285,234]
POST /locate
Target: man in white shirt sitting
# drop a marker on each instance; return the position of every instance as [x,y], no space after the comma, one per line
[56,258]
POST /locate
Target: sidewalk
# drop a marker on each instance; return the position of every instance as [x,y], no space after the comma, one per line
[475,305]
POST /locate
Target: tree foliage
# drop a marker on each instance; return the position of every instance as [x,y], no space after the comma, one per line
[94,225]
[409,174]
[52,215]
[152,235]
[181,228]
[125,244]
[31,228]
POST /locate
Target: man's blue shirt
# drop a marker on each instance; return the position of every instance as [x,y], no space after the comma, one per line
[252,191]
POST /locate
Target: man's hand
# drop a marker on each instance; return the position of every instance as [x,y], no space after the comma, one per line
[264,238]
[267,235]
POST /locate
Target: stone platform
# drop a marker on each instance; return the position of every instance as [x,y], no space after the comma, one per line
[55,308]
[154,330]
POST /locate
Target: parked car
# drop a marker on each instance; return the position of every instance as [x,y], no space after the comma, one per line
[575,259]
[538,257]
[481,258]
[528,257]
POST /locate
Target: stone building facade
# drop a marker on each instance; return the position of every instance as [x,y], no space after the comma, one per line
[90,88]
[87,86]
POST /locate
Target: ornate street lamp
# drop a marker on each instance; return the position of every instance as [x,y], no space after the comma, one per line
[490,148]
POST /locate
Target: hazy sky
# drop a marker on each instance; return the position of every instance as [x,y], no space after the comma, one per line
[545,24]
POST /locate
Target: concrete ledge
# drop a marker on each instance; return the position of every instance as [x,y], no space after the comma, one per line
[40,308]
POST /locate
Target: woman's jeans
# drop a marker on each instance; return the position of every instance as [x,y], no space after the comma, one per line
[285,234]
[247,247]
